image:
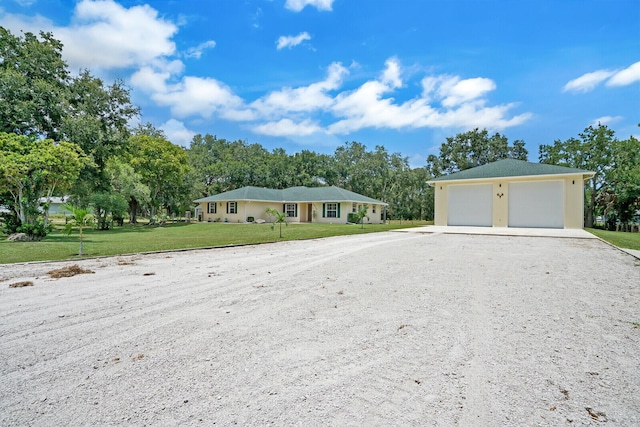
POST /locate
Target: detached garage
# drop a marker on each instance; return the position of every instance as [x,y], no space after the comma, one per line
[511,193]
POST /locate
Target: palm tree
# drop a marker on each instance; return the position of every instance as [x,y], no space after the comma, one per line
[361,214]
[279,218]
[80,218]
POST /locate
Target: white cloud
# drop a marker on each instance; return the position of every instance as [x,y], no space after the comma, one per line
[287,127]
[626,77]
[198,96]
[587,82]
[391,74]
[462,104]
[298,5]
[302,99]
[461,91]
[105,35]
[150,80]
[177,132]
[291,41]
[196,52]
[606,120]
[452,91]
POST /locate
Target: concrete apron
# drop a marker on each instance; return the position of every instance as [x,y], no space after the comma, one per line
[504,231]
[571,233]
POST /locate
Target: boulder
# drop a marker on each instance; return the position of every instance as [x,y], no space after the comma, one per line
[19,237]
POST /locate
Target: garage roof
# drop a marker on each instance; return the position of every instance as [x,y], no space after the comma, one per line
[292,195]
[511,167]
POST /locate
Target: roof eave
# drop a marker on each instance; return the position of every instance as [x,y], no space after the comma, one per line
[375,202]
[585,176]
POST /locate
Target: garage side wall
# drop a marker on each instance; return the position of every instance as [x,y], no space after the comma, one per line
[574,202]
[441,203]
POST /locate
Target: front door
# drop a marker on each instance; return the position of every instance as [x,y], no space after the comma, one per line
[309,212]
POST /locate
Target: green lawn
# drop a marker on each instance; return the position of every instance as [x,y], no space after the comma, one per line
[132,239]
[618,238]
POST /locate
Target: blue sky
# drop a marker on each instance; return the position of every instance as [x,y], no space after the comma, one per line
[313,74]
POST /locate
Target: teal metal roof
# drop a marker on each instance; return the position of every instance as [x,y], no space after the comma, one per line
[291,195]
[510,168]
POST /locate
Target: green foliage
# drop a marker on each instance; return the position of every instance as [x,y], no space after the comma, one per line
[129,184]
[222,165]
[39,98]
[361,215]
[31,169]
[37,230]
[80,218]
[278,218]
[97,121]
[471,149]
[33,82]
[623,180]
[593,151]
[162,167]
[10,222]
[108,207]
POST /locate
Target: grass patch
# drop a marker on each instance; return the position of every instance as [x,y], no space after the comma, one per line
[132,239]
[619,238]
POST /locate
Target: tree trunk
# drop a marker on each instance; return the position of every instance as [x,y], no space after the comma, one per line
[133,210]
[21,212]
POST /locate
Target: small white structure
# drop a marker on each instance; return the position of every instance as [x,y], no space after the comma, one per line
[56,204]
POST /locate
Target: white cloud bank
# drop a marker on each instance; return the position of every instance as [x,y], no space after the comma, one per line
[291,41]
[105,35]
[587,82]
[446,101]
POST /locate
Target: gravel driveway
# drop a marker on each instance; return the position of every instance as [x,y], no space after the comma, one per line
[378,329]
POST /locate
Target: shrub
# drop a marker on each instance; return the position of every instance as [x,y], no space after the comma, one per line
[36,231]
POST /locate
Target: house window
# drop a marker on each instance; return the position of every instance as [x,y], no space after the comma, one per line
[373,208]
[332,210]
[211,207]
[290,210]
[354,207]
[232,207]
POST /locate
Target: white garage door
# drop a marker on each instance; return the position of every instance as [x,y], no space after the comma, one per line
[536,204]
[470,205]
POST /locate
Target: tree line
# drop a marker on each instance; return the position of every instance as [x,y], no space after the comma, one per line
[70,135]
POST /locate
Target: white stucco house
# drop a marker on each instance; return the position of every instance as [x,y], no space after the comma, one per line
[56,204]
[300,204]
[511,193]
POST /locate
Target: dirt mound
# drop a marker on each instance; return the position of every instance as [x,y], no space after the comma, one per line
[20,284]
[68,271]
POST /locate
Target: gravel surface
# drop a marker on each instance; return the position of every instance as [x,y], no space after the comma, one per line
[378,329]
